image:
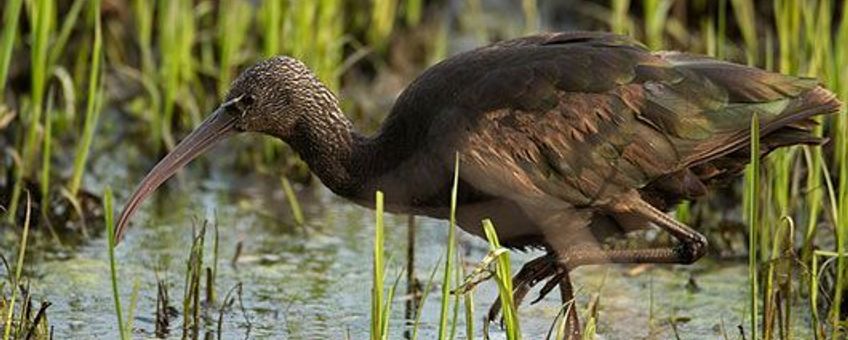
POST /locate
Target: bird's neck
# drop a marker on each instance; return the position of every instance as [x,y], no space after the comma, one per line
[334,151]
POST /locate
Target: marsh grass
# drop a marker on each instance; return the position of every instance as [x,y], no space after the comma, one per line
[45,160]
[93,103]
[379,322]
[656,15]
[503,277]
[189,51]
[11,13]
[113,267]
[234,17]
[294,203]
[15,283]
[41,16]
[383,14]
[191,293]
[752,184]
[450,257]
[176,40]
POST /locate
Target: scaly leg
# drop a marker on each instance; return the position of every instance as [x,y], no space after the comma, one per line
[530,274]
[692,246]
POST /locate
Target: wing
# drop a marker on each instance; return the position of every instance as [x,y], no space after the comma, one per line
[587,116]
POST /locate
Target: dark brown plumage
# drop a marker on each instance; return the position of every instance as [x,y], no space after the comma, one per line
[563,139]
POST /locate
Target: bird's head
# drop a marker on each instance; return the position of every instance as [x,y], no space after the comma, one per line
[270,97]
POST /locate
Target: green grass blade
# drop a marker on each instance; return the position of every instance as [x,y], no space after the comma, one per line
[656,14]
[620,22]
[744,12]
[503,276]
[752,185]
[113,267]
[93,105]
[426,292]
[450,256]
[378,272]
[11,13]
[293,201]
[382,22]
[18,269]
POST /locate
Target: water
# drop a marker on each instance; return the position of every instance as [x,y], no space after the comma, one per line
[314,281]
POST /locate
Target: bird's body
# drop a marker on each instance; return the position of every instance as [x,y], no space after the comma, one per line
[562,140]
[558,124]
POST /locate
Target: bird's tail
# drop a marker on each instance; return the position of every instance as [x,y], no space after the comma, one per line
[792,126]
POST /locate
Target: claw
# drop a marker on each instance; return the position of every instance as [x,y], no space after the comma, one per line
[530,274]
[549,286]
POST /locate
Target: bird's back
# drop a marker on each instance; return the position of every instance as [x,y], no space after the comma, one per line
[580,113]
[581,117]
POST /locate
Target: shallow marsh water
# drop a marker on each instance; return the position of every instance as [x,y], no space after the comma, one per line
[314,281]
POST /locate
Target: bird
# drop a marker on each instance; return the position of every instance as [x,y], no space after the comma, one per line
[563,140]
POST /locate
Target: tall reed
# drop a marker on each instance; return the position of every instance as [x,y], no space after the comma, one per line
[11,13]
[294,204]
[93,104]
[234,17]
[176,38]
[450,257]
[619,20]
[379,323]
[382,22]
[41,17]
[113,267]
[752,188]
[744,12]
[503,277]
[656,14]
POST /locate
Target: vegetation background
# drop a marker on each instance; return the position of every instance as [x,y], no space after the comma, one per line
[79,77]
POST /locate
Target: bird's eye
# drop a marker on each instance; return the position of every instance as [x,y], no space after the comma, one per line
[238,105]
[246,100]
[241,104]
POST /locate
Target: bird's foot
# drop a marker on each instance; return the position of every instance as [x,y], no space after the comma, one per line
[550,268]
[533,272]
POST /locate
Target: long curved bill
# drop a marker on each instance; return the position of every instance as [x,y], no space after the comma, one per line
[217,127]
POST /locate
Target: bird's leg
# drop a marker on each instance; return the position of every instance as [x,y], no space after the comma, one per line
[566,290]
[530,274]
[692,244]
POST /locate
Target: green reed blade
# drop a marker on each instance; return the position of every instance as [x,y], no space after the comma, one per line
[93,104]
[450,255]
[11,13]
[378,272]
[503,276]
[752,189]
[294,205]
[18,269]
[744,12]
[113,267]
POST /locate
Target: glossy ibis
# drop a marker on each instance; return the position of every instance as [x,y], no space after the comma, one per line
[564,139]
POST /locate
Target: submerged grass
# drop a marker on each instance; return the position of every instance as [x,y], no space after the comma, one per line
[113,267]
[10,313]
